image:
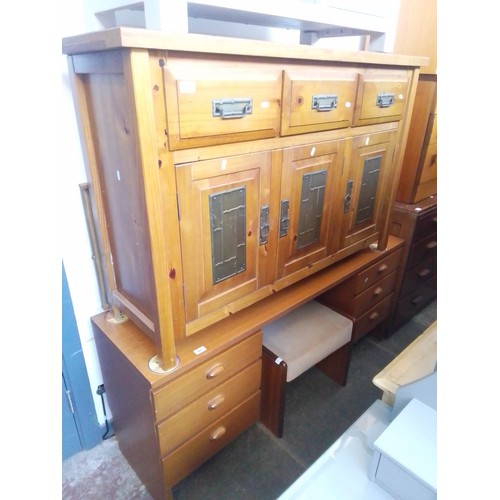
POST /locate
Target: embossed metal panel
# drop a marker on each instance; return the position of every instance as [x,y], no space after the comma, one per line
[228,232]
[311,208]
[368,189]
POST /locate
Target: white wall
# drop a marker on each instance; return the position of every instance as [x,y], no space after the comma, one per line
[77,18]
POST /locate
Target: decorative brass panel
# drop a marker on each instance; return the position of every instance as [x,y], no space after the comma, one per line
[311,208]
[284,219]
[264,225]
[368,189]
[228,232]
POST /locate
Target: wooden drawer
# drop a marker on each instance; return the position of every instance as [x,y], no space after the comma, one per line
[370,297]
[419,275]
[410,305]
[425,226]
[381,97]
[372,318]
[429,164]
[192,454]
[323,103]
[206,376]
[372,274]
[423,250]
[216,101]
[209,407]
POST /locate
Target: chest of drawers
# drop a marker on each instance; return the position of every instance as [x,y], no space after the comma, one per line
[170,424]
[368,297]
[417,225]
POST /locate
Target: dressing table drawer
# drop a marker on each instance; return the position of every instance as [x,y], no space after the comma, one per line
[206,376]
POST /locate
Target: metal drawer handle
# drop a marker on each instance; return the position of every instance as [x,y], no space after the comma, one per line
[232,108]
[215,371]
[382,268]
[385,99]
[218,433]
[215,402]
[325,102]
[374,315]
[432,244]
[378,291]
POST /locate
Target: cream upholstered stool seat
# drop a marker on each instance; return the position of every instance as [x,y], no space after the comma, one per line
[311,335]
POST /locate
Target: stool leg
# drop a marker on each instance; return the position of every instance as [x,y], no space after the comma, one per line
[272,405]
[336,365]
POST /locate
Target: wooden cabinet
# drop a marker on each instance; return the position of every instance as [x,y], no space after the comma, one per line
[227,177]
[419,171]
[417,225]
[368,298]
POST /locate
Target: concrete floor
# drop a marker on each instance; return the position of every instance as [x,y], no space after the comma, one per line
[257,465]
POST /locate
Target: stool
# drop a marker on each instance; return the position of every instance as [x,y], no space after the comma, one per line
[311,335]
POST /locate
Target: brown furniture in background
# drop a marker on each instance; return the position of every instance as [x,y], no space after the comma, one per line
[417,225]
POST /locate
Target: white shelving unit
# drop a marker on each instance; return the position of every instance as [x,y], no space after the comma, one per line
[307,21]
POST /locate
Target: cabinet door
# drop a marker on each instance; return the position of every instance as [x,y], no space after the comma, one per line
[310,184]
[367,182]
[226,234]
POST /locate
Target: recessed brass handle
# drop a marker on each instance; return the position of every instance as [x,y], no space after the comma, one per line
[218,433]
[215,371]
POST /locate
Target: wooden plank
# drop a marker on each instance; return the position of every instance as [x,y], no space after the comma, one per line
[148,39]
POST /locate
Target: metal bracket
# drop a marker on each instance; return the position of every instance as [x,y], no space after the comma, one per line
[284,219]
[264,225]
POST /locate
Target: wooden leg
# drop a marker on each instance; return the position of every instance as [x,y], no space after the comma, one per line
[336,365]
[272,406]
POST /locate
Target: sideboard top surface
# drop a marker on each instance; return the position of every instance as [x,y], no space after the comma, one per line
[115,38]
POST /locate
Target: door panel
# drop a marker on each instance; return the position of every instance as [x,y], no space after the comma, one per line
[225,256]
[366,182]
[310,183]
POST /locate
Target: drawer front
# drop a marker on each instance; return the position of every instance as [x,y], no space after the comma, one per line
[382,97]
[429,164]
[425,249]
[425,226]
[206,376]
[372,318]
[418,276]
[325,103]
[208,408]
[192,454]
[410,305]
[381,269]
[214,102]
[370,297]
